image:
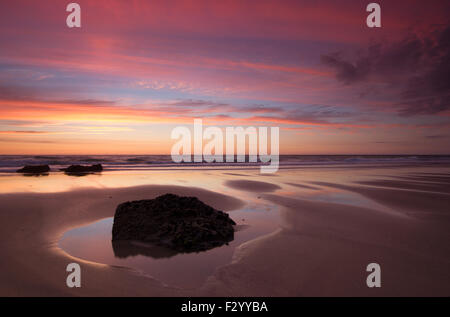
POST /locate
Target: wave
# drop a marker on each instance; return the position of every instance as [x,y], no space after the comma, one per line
[10,163]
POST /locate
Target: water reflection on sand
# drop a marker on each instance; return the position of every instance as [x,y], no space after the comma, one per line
[186,270]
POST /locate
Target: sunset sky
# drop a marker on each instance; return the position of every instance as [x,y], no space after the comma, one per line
[137,69]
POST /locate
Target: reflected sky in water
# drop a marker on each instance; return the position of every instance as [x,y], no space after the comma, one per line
[185,270]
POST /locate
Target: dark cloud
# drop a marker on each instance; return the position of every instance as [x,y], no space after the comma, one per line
[192,105]
[26,93]
[326,111]
[92,102]
[418,67]
[259,108]
[347,72]
[313,114]
[22,132]
[28,141]
[196,103]
[437,136]
[8,92]
[385,142]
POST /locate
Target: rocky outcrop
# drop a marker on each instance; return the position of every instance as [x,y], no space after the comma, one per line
[81,170]
[184,224]
[34,169]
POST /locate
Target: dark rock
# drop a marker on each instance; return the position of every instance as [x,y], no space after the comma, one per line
[81,170]
[184,224]
[34,169]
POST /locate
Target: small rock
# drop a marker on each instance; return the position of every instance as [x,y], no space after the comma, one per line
[80,169]
[34,169]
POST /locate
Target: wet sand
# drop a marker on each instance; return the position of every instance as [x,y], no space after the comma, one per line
[323,249]
[33,264]
[252,186]
[322,246]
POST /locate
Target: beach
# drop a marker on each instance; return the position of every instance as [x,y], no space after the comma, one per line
[326,224]
[210,154]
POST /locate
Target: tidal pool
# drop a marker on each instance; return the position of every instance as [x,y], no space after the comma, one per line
[184,270]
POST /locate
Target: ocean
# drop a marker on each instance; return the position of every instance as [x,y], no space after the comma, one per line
[10,163]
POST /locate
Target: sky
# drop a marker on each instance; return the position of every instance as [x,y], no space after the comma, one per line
[135,70]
